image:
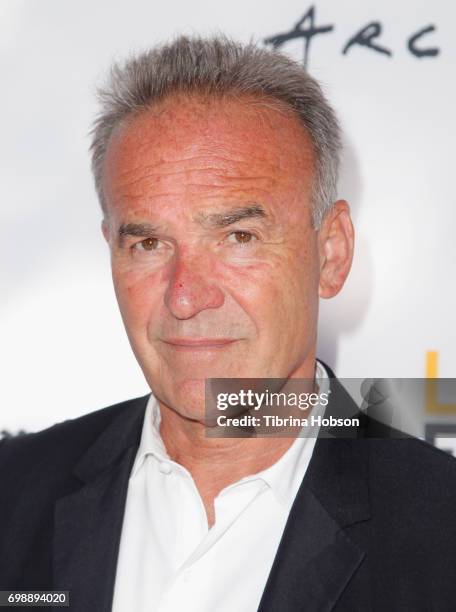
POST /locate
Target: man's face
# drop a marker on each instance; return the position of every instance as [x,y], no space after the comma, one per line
[216,265]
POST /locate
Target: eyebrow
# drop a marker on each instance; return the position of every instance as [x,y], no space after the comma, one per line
[143,230]
[213,220]
[218,220]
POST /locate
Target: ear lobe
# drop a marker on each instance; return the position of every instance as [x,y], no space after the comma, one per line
[336,249]
[105,230]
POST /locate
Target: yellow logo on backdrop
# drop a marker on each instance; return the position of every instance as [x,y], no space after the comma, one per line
[432,373]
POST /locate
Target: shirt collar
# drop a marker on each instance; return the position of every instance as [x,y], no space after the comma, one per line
[151,441]
[283,477]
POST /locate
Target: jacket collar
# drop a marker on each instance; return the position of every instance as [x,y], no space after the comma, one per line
[123,432]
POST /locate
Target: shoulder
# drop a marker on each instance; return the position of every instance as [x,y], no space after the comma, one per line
[411,463]
[57,448]
[412,488]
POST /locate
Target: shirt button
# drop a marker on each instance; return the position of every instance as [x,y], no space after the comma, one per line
[165,468]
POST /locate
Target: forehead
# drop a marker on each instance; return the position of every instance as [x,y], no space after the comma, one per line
[216,148]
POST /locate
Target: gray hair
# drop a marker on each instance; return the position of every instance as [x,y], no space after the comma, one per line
[217,67]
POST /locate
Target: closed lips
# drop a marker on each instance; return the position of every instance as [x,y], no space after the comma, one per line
[199,342]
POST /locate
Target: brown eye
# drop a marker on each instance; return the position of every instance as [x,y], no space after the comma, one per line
[242,237]
[149,244]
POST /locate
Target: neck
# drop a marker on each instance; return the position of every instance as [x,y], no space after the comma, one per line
[215,463]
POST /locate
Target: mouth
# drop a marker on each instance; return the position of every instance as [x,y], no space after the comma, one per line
[198,343]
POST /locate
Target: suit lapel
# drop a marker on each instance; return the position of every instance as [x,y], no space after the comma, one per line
[314,563]
[316,558]
[88,522]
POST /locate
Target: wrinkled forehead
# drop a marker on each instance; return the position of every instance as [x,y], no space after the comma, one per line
[210,141]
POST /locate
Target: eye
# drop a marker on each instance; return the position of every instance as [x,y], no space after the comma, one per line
[148,244]
[150,250]
[241,237]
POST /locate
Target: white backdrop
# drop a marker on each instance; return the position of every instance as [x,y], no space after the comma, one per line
[63,348]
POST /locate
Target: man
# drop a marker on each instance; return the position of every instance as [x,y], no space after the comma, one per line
[216,168]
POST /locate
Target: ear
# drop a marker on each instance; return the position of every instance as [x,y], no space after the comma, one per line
[336,241]
[105,230]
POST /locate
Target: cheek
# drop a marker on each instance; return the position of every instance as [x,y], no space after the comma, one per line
[281,291]
[137,293]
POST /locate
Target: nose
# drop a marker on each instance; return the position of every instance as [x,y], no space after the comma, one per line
[192,287]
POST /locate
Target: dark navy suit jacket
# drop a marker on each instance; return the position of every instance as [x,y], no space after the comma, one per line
[373,526]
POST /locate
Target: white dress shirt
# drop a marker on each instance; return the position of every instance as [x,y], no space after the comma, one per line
[170,560]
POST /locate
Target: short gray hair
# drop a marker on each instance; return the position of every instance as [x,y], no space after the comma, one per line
[217,67]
